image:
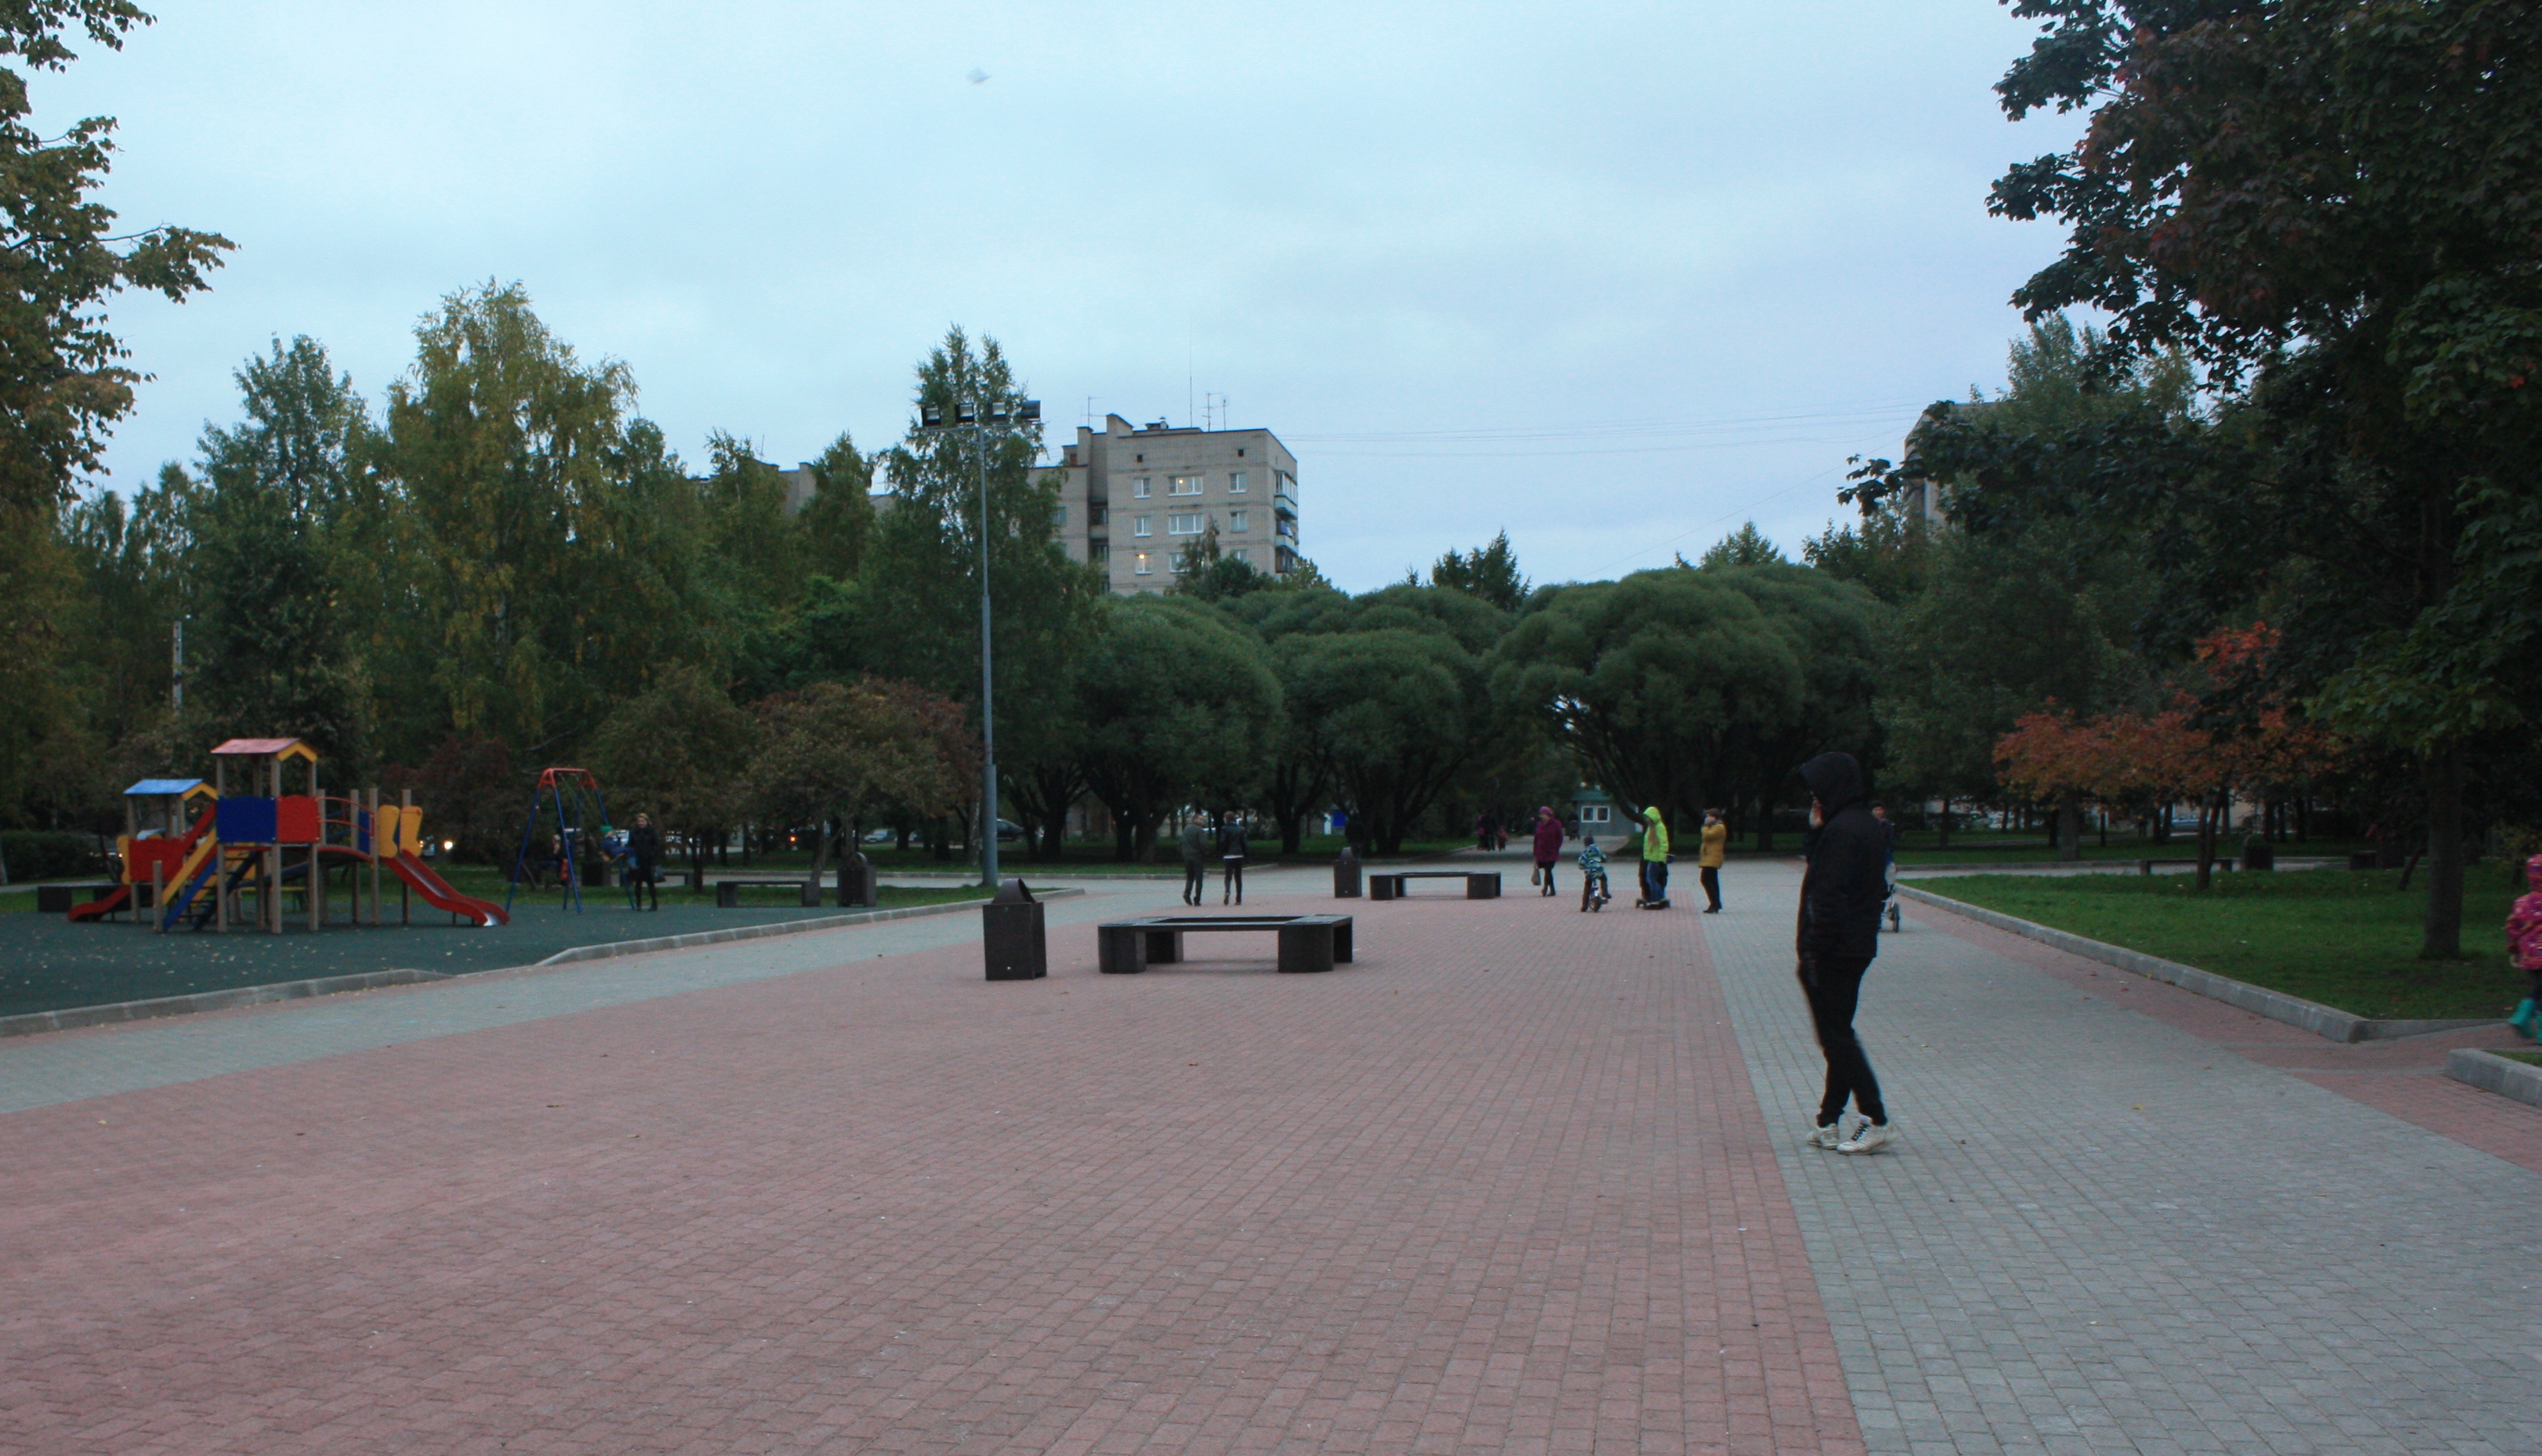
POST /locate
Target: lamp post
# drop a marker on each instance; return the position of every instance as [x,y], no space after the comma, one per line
[976,417]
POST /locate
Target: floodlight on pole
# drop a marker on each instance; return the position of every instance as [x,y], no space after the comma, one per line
[969,414]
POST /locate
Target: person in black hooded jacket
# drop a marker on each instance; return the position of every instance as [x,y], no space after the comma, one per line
[1840,933]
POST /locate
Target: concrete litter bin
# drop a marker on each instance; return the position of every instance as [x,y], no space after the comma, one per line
[1346,874]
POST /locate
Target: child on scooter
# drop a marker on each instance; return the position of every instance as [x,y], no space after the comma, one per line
[1593,893]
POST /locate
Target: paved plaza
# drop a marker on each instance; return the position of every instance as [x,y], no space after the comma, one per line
[1516,1179]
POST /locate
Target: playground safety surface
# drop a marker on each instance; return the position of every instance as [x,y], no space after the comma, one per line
[47,964]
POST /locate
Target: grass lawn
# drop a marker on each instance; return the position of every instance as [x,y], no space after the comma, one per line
[2530,1059]
[2032,850]
[2340,938]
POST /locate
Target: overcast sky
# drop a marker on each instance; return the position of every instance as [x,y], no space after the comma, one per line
[1613,277]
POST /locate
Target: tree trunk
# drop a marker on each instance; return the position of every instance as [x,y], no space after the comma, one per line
[2443,929]
[1945,841]
[2069,826]
[1125,839]
[1764,825]
[821,850]
[2207,813]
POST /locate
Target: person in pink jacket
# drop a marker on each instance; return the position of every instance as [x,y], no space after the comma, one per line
[2524,945]
[1548,847]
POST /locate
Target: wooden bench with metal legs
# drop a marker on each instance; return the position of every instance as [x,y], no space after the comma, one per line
[1306,942]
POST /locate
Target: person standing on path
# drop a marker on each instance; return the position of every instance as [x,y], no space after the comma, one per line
[645,853]
[1548,847]
[1233,840]
[1655,860]
[2524,945]
[1195,844]
[1840,933]
[1716,849]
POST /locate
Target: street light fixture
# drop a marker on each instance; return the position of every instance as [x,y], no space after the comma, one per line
[967,415]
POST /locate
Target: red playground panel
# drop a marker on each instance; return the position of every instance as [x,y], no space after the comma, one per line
[295,820]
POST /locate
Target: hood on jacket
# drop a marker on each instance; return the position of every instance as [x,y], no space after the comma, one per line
[2533,873]
[1651,815]
[1835,779]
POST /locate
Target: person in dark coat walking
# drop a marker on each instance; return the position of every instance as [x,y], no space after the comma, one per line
[1839,932]
[645,853]
[1195,870]
[1233,840]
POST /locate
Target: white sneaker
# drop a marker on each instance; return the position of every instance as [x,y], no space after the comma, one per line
[1830,1136]
[1872,1139]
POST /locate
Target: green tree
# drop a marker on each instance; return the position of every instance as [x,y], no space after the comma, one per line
[62,385]
[1745,547]
[838,518]
[1489,572]
[1175,702]
[915,609]
[831,752]
[681,751]
[2328,206]
[1681,688]
[503,443]
[273,639]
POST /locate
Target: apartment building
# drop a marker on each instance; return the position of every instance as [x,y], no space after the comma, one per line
[1132,497]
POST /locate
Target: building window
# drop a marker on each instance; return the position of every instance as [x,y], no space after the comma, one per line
[1096,514]
[1182,485]
[1236,483]
[1143,564]
[1138,488]
[1239,452]
[1242,554]
[1098,551]
[1183,523]
[1059,518]
[1142,526]
[1240,520]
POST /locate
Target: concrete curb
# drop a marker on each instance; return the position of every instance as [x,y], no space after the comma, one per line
[2490,1072]
[772,927]
[72,1018]
[2313,1016]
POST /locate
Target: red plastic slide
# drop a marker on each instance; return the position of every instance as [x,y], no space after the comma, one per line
[436,891]
[104,905]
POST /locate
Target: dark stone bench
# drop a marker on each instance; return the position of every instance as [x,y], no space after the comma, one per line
[1306,942]
[729,892]
[2145,866]
[1479,884]
[57,899]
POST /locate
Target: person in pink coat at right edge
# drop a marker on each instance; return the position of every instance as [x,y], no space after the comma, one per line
[2524,943]
[1548,847]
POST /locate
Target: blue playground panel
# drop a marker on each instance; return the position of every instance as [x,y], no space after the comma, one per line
[244,819]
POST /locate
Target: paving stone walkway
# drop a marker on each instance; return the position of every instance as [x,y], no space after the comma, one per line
[2106,1233]
[1519,1180]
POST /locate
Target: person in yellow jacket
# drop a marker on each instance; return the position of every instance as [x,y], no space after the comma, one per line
[1655,860]
[1716,847]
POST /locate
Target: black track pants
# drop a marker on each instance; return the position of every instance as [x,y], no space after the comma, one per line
[1195,881]
[1833,984]
[1711,879]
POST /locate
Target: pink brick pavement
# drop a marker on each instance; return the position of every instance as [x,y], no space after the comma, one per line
[2405,1078]
[1503,1185]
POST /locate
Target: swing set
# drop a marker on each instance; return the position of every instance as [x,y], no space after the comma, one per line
[568,803]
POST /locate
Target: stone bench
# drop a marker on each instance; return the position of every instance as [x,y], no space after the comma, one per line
[1306,942]
[729,892]
[1479,884]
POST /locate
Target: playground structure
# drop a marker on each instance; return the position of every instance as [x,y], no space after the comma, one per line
[241,843]
[568,799]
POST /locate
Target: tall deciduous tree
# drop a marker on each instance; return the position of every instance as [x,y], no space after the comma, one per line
[2329,205]
[502,441]
[1175,702]
[62,381]
[681,751]
[831,752]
